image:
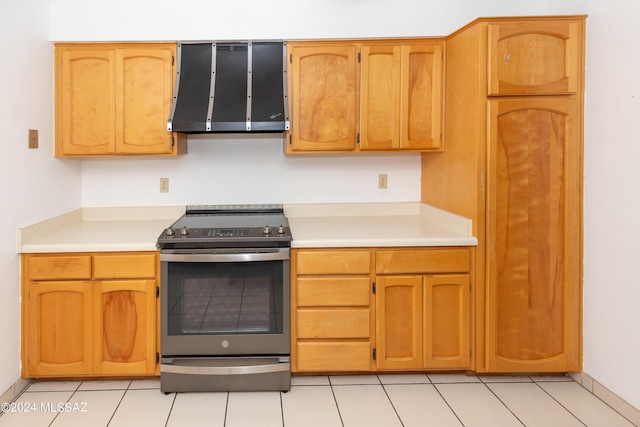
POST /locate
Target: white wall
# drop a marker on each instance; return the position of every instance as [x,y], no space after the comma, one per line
[612,197]
[34,186]
[612,153]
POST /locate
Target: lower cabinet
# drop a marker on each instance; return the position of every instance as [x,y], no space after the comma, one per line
[381,309]
[423,322]
[89,314]
[332,316]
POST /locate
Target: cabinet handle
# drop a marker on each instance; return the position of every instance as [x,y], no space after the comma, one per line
[507,57]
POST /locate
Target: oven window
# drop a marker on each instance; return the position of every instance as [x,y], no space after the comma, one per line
[225,298]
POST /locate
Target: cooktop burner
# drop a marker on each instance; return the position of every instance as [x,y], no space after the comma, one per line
[228,226]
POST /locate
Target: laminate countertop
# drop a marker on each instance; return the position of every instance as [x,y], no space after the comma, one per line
[376,225]
[117,229]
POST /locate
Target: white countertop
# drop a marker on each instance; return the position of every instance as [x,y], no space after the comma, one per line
[376,225]
[312,225]
[99,230]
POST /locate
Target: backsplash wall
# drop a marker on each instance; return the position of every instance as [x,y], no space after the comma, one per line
[223,169]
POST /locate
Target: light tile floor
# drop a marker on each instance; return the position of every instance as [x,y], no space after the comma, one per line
[441,400]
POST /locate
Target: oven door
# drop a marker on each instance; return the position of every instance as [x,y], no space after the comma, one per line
[225,302]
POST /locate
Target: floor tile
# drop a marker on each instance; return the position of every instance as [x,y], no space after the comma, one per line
[104,385]
[310,407]
[53,386]
[476,406]
[533,406]
[505,379]
[417,404]
[254,409]
[365,405]
[89,408]
[584,405]
[452,378]
[198,410]
[143,408]
[404,379]
[354,380]
[35,409]
[313,380]
[551,378]
[145,384]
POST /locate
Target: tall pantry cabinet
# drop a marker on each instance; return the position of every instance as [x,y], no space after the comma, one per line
[513,163]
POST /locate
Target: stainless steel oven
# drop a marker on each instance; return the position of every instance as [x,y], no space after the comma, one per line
[225,298]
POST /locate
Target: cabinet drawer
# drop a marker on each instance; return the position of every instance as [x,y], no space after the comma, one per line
[334,323]
[125,266]
[333,262]
[58,267]
[423,261]
[334,356]
[333,291]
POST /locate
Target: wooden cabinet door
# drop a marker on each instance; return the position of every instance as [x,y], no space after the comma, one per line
[447,324]
[399,304]
[125,334]
[380,97]
[421,96]
[143,99]
[535,57]
[60,329]
[85,101]
[323,93]
[533,235]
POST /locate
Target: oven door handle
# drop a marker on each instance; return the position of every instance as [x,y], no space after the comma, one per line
[225,257]
[225,370]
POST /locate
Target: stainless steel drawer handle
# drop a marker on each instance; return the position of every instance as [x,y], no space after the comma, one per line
[225,370]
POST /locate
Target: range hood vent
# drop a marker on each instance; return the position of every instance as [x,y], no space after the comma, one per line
[230,87]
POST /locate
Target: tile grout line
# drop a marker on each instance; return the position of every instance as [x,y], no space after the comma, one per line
[435,386]
[70,397]
[503,404]
[335,400]
[560,403]
[173,402]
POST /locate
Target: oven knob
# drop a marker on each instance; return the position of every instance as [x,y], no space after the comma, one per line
[184,231]
[266,230]
[169,232]
[281,230]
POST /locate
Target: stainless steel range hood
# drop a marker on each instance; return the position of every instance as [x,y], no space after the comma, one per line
[230,87]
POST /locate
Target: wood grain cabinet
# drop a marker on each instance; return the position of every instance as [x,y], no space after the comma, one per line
[401,96]
[89,314]
[331,314]
[323,79]
[369,309]
[352,96]
[514,137]
[423,309]
[114,99]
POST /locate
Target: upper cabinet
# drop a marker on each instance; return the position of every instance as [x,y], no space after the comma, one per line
[534,57]
[401,96]
[114,99]
[364,96]
[323,94]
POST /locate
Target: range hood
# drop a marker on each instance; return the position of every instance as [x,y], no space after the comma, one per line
[230,87]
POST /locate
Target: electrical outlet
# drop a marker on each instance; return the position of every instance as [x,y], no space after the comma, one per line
[164,185]
[382,181]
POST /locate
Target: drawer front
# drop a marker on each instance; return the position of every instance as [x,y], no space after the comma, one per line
[336,323]
[423,261]
[333,262]
[125,266]
[67,267]
[334,356]
[333,291]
